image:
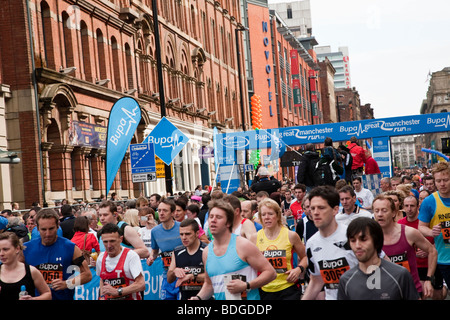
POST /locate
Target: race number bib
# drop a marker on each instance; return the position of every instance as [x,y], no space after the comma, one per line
[277,259]
[116,283]
[332,270]
[191,284]
[50,272]
[166,258]
[445,230]
[401,259]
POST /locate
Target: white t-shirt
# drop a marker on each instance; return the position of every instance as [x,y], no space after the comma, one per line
[345,218]
[146,236]
[329,258]
[365,197]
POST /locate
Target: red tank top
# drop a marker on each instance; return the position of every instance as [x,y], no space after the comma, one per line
[117,277]
[402,253]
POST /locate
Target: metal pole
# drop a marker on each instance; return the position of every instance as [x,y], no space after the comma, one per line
[162,99]
[241,93]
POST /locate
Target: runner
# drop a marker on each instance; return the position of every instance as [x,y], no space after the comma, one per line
[234,266]
[400,242]
[373,278]
[329,254]
[57,258]
[14,274]
[350,210]
[119,268]
[165,237]
[107,213]
[241,226]
[435,218]
[186,266]
[278,245]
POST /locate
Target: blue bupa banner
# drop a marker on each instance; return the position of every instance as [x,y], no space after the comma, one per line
[342,131]
[124,118]
[168,140]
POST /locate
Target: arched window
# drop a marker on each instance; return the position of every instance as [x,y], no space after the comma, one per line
[129,66]
[47,35]
[68,40]
[116,64]
[101,55]
[86,51]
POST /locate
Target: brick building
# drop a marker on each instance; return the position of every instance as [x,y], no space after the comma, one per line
[66,63]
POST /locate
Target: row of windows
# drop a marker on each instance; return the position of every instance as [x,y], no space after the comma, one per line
[100,53]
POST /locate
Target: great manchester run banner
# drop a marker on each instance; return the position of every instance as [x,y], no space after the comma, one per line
[343,131]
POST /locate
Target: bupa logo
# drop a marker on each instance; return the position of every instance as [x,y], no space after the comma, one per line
[440,122]
[167,142]
[125,123]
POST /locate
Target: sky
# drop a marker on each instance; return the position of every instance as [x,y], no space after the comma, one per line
[393,46]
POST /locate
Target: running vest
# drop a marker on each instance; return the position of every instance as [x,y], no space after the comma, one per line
[219,268]
[10,291]
[192,264]
[53,261]
[238,229]
[403,254]
[442,241]
[117,277]
[279,253]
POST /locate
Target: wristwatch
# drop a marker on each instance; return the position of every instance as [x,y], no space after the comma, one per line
[431,279]
[119,291]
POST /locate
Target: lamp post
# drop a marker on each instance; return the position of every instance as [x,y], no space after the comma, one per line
[162,101]
[238,53]
[241,93]
[338,107]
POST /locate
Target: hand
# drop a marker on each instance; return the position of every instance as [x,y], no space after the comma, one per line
[436,230]
[26,297]
[236,286]
[427,290]
[421,254]
[150,260]
[58,284]
[293,275]
[109,290]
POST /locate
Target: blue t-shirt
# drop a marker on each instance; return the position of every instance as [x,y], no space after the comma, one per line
[429,214]
[54,262]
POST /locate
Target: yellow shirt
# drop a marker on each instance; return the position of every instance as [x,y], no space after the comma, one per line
[279,253]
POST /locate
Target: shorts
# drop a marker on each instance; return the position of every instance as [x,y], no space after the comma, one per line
[291,293]
[438,279]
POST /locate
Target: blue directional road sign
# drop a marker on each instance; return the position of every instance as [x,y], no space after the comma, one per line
[168,140]
[142,156]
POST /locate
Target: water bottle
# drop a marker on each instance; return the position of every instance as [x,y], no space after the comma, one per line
[23,291]
[94,254]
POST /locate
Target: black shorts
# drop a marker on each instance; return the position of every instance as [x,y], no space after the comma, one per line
[438,279]
[292,293]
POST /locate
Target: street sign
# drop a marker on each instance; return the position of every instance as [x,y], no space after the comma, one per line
[142,158]
[143,177]
[168,140]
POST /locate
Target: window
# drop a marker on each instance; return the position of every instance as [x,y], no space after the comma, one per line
[289,12]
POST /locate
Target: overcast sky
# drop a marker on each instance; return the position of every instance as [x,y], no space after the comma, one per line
[393,45]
